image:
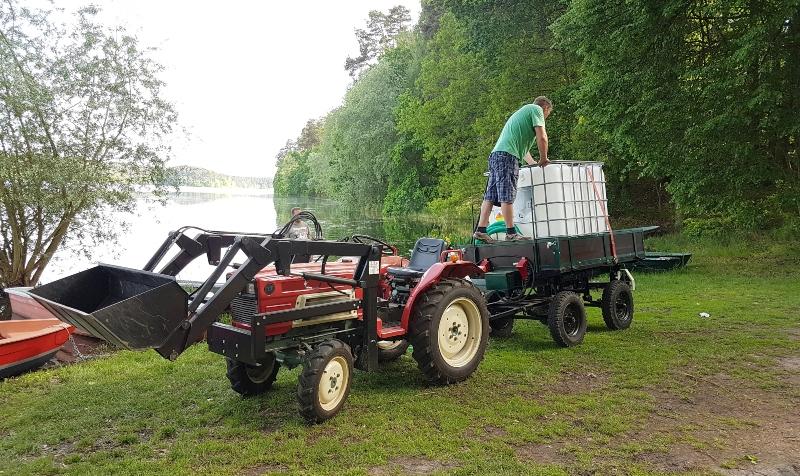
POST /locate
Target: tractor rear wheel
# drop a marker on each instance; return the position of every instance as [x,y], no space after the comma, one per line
[325,381]
[449,331]
[391,350]
[566,319]
[617,305]
[251,380]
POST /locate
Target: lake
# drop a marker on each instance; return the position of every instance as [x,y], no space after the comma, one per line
[244,210]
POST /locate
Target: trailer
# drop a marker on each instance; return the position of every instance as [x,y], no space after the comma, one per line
[551,280]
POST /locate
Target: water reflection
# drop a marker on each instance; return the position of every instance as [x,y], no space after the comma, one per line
[255,211]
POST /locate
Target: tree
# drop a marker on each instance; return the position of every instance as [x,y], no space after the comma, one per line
[703,94]
[359,137]
[82,128]
[380,35]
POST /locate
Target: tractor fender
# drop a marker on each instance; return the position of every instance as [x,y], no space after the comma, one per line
[434,274]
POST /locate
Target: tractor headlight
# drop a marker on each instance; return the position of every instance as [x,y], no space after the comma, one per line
[251,288]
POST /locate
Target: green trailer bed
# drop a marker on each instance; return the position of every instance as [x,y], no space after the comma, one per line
[555,256]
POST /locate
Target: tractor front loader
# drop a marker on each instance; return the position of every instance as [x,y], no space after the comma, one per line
[359,303]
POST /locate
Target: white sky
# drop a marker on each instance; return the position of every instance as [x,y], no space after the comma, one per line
[245,76]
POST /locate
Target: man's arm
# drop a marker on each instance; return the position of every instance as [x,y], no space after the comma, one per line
[529,159]
[541,142]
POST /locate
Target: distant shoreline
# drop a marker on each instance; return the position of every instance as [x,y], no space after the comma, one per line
[226,190]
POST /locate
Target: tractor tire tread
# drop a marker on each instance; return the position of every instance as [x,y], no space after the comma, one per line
[309,377]
[422,317]
[241,383]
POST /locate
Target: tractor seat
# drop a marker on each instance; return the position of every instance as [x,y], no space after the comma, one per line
[426,252]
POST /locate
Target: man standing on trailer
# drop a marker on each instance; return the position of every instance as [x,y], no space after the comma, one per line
[524,128]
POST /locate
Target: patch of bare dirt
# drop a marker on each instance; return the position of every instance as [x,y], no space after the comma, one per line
[767,470]
[546,453]
[410,465]
[792,367]
[724,425]
[264,469]
[494,431]
[578,382]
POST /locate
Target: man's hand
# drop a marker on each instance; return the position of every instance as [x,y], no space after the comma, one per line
[543,162]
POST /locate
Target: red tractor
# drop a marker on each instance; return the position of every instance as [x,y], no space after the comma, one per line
[329,315]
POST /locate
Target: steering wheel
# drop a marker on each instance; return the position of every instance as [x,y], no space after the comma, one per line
[386,248]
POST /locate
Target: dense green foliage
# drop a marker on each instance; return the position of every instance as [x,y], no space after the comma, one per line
[708,102]
[691,105]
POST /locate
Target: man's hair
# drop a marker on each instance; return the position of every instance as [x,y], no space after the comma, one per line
[542,101]
[296,209]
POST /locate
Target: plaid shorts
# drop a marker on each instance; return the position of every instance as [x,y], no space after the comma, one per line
[503,173]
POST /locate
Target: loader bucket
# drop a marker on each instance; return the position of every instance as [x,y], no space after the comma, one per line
[128,308]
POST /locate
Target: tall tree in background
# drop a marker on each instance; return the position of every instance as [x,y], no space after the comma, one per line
[82,126]
[379,35]
[702,93]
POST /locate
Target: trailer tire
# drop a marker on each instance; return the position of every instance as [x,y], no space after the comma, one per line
[566,319]
[248,380]
[617,305]
[389,351]
[502,327]
[443,352]
[324,383]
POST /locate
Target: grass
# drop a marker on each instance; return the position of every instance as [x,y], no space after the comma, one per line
[531,408]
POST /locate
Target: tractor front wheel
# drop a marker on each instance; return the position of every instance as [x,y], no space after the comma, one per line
[449,331]
[391,350]
[566,319]
[325,381]
[617,305]
[251,380]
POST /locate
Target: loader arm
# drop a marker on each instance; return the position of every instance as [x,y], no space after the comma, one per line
[139,309]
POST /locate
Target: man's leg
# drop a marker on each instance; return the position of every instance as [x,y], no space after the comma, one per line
[508,214]
[507,194]
[489,198]
[486,210]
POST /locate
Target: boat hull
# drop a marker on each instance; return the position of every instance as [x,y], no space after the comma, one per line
[28,344]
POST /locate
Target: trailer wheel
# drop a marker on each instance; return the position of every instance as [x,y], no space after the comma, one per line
[566,319]
[389,351]
[449,331]
[325,381]
[251,380]
[502,327]
[617,305]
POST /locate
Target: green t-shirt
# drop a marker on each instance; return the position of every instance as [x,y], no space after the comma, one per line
[518,136]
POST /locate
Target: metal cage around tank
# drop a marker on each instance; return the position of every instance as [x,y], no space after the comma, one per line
[565,198]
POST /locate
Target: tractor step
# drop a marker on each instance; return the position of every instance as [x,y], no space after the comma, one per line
[391,331]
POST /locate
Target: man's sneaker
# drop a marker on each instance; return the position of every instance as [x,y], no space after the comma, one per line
[516,237]
[479,235]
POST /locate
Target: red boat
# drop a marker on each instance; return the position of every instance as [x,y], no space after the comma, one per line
[26,344]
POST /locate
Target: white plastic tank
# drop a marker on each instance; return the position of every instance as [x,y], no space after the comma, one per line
[564,198]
